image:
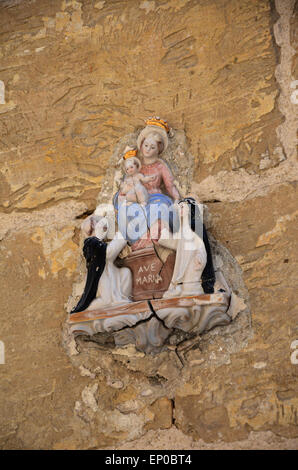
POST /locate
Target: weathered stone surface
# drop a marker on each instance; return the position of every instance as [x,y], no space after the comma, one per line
[78,76]
[252,379]
[163,414]
[201,420]
[73,73]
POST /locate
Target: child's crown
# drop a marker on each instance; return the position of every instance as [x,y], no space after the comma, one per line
[130,154]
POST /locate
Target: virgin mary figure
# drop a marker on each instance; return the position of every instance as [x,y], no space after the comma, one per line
[139,223]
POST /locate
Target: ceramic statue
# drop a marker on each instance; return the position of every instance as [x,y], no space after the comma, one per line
[148,258]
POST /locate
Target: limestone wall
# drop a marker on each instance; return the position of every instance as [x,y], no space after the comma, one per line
[78,75]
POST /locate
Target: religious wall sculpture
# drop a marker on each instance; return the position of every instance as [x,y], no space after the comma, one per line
[149,264]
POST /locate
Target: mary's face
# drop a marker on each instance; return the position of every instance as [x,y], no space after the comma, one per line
[150,148]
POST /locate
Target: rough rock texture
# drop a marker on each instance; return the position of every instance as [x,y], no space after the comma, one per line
[78,76]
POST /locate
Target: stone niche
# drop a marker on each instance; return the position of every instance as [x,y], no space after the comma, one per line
[153,321]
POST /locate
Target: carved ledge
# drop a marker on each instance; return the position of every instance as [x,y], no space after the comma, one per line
[148,324]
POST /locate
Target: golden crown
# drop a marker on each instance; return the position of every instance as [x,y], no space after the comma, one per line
[129,154]
[156,121]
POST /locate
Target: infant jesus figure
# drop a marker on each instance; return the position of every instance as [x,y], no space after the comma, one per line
[131,188]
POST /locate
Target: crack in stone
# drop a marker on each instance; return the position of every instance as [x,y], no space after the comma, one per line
[156,316]
[145,320]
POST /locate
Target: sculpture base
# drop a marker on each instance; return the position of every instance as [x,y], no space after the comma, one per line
[148,324]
